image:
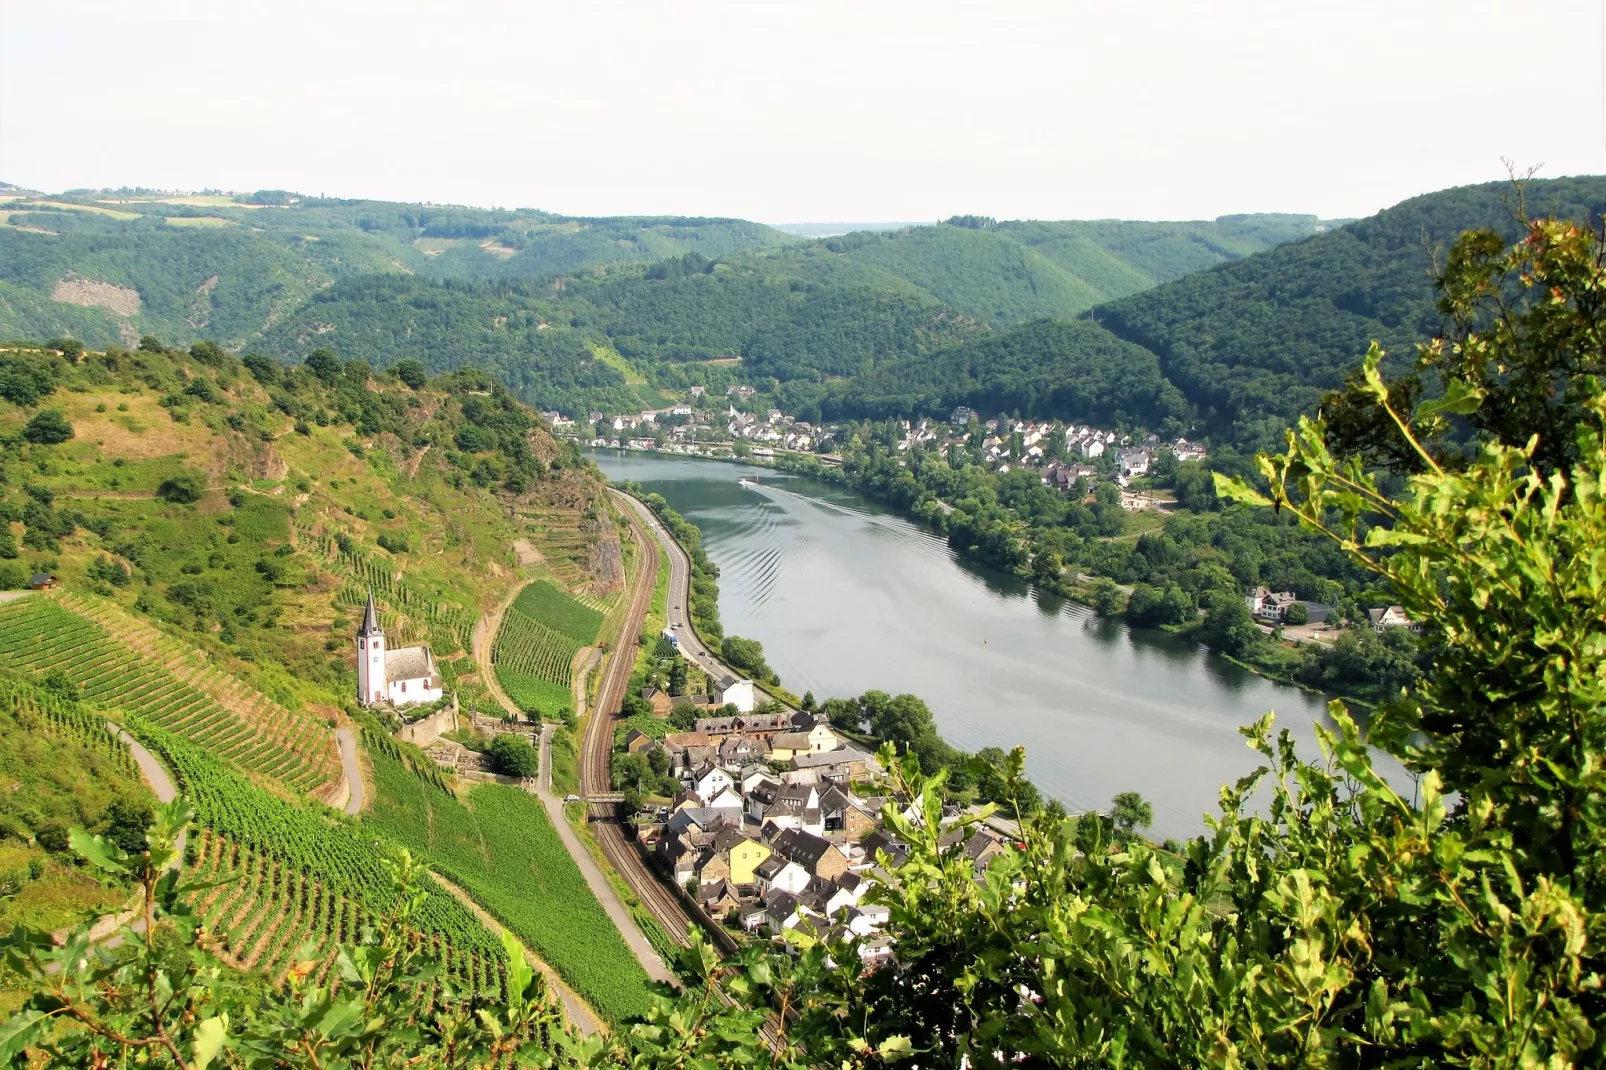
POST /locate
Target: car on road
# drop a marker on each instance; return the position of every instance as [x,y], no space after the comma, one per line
[571,798]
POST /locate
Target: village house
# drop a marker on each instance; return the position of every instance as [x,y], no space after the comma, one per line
[816,854]
[815,739]
[1391,617]
[1133,462]
[755,725]
[1270,606]
[660,701]
[731,691]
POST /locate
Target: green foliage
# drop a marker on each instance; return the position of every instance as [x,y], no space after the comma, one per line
[47,427]
[514,756]
[550,607]
[748,655]
[181,490]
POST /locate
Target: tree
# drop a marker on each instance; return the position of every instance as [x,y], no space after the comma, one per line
[47,428]
[1130,812]
[325,365]
[208,353]
[70,348]
[512,755]
[1296,613]
[1107,597]
[183,489]
[412,373]
[264,370]
[1228,627]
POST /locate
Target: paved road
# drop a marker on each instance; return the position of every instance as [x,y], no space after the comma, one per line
[348,760]
[604,891]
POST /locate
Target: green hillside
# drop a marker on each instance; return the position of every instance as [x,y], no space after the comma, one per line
[1235,352]
[111,267]
[1253,344]
[214,526]
[1006,273]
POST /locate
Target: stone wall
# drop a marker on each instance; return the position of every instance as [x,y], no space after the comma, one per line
[427,730]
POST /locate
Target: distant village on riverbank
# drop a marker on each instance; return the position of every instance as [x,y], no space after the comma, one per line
[1068,456]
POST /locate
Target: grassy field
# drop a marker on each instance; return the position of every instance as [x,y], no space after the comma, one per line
[199,221]
[501,848]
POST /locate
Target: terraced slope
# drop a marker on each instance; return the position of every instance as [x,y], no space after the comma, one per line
[119,661]
[302,866]
[270,909]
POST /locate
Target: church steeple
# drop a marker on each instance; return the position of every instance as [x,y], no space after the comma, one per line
[370,620]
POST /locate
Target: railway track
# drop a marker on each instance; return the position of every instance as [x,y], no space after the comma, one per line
[618,847]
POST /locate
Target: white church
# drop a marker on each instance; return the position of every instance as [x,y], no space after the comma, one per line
[401,677]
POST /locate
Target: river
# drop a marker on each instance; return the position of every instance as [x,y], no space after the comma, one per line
[847,597]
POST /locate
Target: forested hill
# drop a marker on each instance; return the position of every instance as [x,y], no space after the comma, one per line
[1236,352]
[1006,273]
[1253,344]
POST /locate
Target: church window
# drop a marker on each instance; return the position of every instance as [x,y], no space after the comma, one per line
[404,687]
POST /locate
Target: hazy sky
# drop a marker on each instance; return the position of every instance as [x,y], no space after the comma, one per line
[787,111]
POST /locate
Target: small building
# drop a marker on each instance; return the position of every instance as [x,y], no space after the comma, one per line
[1268,606]
[41,581]
[962,415]
[730,691]
[1392,617]
[660,702]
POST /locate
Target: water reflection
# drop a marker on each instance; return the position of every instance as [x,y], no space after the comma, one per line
[847,597]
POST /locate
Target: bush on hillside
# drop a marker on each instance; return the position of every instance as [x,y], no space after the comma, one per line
[183,489]
[47,428]
[513,755]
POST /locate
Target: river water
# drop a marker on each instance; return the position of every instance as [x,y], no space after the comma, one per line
[847,598]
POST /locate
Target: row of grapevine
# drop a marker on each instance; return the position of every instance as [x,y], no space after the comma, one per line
[266,911]
[40,710]
[556,609]
[503,850]
[375,742]
[368,573]
[307,839]
[530,647]
[38,636]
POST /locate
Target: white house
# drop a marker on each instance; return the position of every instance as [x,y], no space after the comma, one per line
[402,677]
[710,781]
[738,693]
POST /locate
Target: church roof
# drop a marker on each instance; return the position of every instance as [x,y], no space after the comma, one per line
[370,620]
[409,663]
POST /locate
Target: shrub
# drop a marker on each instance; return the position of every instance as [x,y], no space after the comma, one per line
[181,490]
[47,428]
[512,755]
[394,542]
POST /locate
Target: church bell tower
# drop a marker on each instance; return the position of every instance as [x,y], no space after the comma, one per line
[371,681]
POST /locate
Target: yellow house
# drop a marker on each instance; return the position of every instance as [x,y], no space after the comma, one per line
[745,858]
[817,740]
